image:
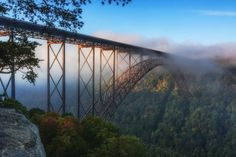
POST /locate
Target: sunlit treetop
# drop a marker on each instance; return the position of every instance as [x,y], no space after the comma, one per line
[65,14]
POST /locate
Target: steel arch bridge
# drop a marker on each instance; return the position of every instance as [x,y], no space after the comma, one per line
[107,70]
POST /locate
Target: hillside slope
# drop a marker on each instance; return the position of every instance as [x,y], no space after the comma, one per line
[200,125]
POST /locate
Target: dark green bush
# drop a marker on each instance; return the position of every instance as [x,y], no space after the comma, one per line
[10,103]
[35,115]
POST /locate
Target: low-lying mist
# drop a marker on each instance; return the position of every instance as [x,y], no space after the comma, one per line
[205,70]
[195,57]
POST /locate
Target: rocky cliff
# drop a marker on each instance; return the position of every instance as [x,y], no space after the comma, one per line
[18,136]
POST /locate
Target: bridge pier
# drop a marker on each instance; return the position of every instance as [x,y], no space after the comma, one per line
[56,91]
[86,80]
[107,72]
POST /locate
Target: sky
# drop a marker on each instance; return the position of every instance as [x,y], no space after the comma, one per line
[197,21]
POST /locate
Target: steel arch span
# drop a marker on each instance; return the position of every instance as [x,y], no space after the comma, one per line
[127,81]
[123,85]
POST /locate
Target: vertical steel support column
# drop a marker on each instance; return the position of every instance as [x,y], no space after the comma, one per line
[86,82]
[13,80]
[117,64]
[130,64]
[64,79]
[130,60]
[48,78]
[114,75]
[61,91]
[93,112]
[100,77]
[79,77]
[141,57]
[107,81]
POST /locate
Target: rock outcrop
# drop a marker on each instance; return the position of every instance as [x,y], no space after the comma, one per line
[18,136]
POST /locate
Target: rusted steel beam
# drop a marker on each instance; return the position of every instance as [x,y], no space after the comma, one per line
[5,33]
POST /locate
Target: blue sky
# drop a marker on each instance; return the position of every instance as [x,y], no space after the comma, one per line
[201,21]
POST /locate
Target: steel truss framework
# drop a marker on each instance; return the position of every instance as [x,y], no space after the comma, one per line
[86,78]
[107,70]
[56,84]
[107,74]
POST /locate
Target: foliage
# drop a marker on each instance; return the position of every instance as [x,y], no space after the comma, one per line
[48,127]
[66,136]
[125,146]
[53,13]
[35,115]
[97,131]
[19,56]
[67,146]
[10,103]
[202,126]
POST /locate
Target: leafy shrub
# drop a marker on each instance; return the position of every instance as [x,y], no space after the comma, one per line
[48,127]
[67,146]
[10,103]
[35,115]
[121,146]
[96,131]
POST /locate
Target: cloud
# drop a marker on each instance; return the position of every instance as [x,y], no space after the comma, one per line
[216,13]
[161,44]
[128,39]
[224,51]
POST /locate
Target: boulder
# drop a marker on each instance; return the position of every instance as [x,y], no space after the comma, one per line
[18,136]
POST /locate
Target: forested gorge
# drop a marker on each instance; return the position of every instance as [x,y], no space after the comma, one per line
[174,125]
[156,119]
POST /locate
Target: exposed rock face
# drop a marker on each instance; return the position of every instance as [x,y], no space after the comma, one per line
[18,136]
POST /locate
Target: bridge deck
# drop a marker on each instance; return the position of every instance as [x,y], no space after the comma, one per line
[42,32]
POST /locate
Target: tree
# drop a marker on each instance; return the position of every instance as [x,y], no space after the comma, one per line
[19,56]
[97,131]
[60,13]
[122,146]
